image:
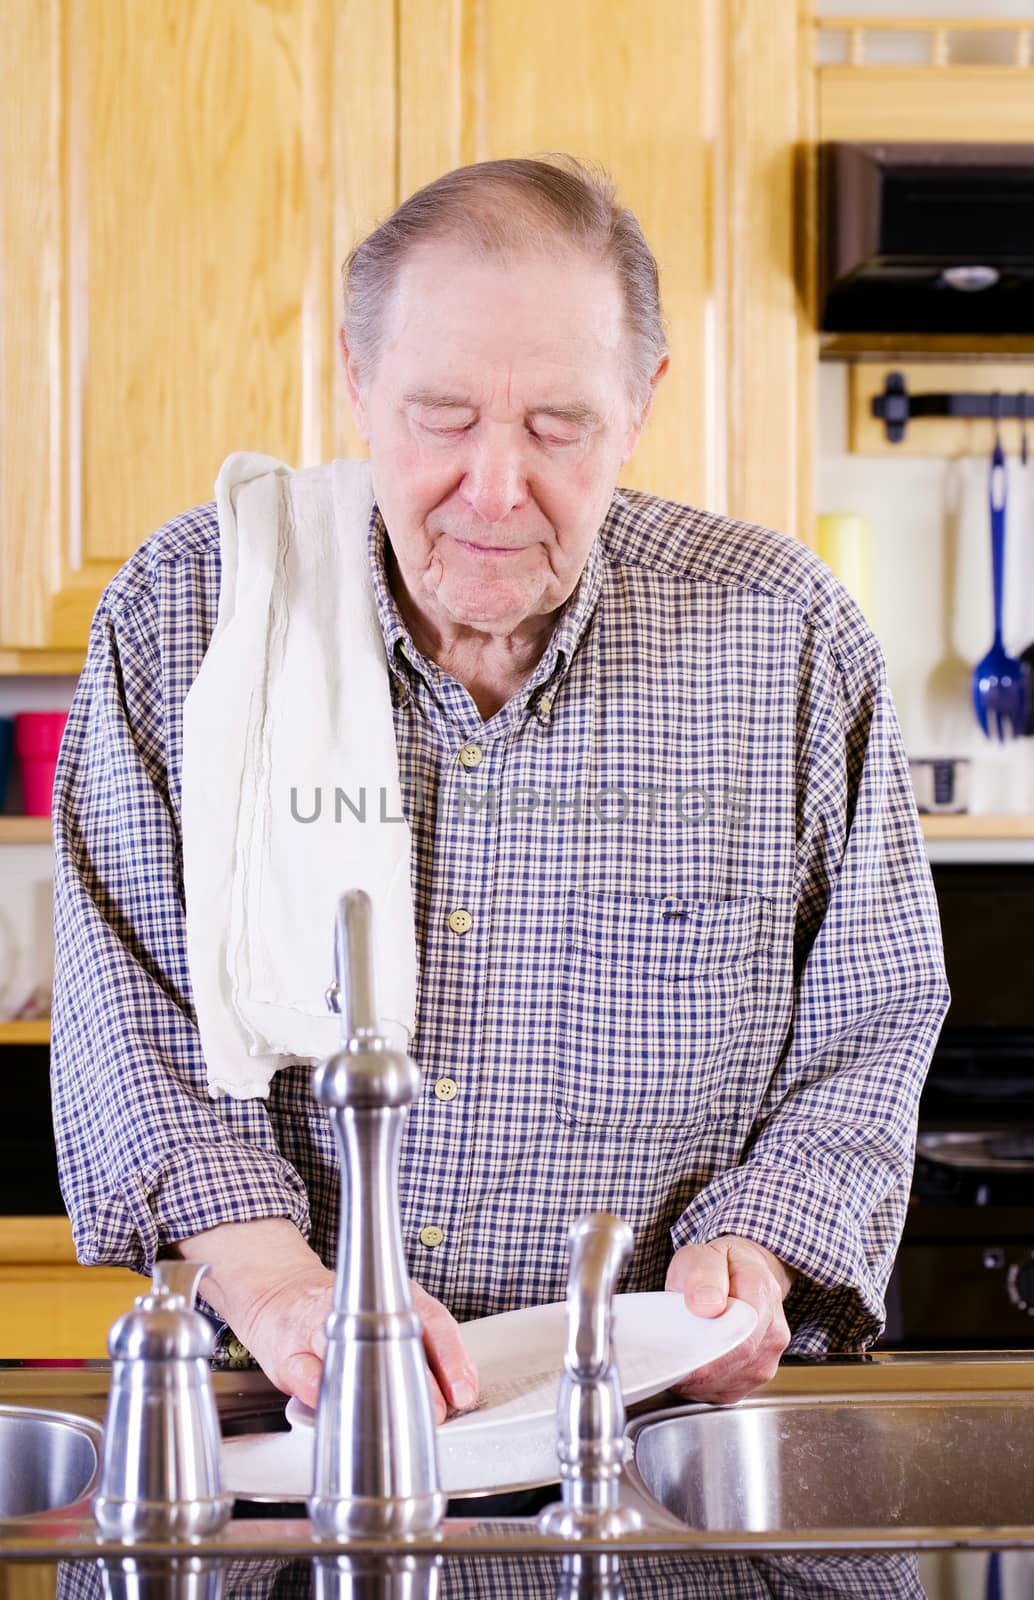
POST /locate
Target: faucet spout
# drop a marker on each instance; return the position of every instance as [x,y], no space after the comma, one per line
[600,1245]
[591,1412]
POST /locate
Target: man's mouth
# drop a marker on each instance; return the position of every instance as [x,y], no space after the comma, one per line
[489,549]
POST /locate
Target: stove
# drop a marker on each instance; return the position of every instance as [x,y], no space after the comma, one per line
[964,1276]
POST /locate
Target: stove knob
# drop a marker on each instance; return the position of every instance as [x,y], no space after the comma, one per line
[1020,1284]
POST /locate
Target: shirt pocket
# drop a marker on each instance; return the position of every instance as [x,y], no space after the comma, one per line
[655,1008]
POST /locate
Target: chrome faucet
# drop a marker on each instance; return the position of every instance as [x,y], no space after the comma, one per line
[591,1412]
[376,1464]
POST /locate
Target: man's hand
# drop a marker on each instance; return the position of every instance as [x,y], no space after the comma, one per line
[276,1295]
[706,1275]
[453,1375]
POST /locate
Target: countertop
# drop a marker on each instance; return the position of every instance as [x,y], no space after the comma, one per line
[81,1388]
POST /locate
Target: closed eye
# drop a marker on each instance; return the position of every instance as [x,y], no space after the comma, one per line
[554,439]
[446,432]
[567,426]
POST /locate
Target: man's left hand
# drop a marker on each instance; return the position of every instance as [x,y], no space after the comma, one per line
[707,1274]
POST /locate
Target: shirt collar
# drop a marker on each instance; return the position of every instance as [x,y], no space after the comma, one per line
[393,630]
[541,688]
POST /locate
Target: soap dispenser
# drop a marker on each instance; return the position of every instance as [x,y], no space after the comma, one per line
[159,1474]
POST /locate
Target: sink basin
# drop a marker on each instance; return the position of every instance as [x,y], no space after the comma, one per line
[853,1461]
[48,1460]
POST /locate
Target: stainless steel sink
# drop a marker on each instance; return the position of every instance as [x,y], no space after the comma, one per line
[867,1462]
[48,1460]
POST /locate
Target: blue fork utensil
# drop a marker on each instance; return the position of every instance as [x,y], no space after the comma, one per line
[998,687]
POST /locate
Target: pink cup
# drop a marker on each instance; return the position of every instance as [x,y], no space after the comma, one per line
[37,739]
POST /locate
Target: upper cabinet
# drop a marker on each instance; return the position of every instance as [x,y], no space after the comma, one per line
[181,181]
[157,295]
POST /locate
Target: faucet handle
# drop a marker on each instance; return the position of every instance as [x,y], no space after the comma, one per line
[600,1244]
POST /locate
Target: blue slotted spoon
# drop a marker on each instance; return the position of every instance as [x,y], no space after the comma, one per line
[998,689]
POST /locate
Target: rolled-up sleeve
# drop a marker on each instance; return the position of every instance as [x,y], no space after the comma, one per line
[145,1157]
[825,1180]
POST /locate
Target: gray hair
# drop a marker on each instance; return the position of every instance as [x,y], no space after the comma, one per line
[501,208]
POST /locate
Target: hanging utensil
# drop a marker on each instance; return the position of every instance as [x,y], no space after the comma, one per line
[998,686]
[1027,656]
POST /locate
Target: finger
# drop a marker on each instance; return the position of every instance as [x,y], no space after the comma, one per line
[319,1340]
[751,1279]
[448,1360]
[438,1405]
[733,1376]
[446,1353]
[727,1393]
[300,1375]
[702,1276]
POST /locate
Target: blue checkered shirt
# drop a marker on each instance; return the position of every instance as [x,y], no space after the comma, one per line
[702,976]
[507,1577]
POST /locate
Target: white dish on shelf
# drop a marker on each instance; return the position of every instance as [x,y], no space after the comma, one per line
[509,1440]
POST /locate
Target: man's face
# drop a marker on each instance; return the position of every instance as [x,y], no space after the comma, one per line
[498,419]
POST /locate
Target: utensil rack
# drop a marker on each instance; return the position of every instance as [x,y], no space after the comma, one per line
[896,407]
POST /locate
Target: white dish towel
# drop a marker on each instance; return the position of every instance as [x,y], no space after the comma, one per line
[291,704]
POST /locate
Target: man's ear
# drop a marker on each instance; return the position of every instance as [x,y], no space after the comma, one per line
[355,396]
[639,423]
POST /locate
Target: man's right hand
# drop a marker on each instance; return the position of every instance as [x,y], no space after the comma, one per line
[276,1295]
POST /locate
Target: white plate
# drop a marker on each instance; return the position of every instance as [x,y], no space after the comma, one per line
[510,1439]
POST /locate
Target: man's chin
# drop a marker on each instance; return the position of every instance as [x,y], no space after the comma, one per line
[492,607]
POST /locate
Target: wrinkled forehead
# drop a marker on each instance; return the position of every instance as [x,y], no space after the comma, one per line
[454,310]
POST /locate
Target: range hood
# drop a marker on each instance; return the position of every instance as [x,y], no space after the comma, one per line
[927,238]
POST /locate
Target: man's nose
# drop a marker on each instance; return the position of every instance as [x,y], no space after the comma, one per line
[494,483]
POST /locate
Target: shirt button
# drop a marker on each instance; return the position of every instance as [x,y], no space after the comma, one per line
[471,755]
[460,921]
[446,1088]
[431,1236]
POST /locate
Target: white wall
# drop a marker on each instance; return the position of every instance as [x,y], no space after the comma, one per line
[932,586]
[1022,10]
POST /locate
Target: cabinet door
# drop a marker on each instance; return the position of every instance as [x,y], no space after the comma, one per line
[169,231]
[62,1312]
[49,1306]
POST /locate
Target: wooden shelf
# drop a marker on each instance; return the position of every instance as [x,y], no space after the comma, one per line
[34,1031]
[42,663]
[25,830]
[36,1241]
[969,826]
[925,346]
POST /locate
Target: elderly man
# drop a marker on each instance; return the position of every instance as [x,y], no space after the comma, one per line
[697,979]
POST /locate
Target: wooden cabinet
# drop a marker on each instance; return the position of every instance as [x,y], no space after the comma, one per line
[180,182]
[49,1306]
[158,232]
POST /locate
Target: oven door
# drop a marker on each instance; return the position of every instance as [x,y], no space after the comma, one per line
[964,1277]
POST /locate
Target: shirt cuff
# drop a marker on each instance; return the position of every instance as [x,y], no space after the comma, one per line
[189,1190]
[835,1302]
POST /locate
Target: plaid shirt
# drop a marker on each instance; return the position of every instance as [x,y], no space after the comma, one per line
[697,982]
[643,1577]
